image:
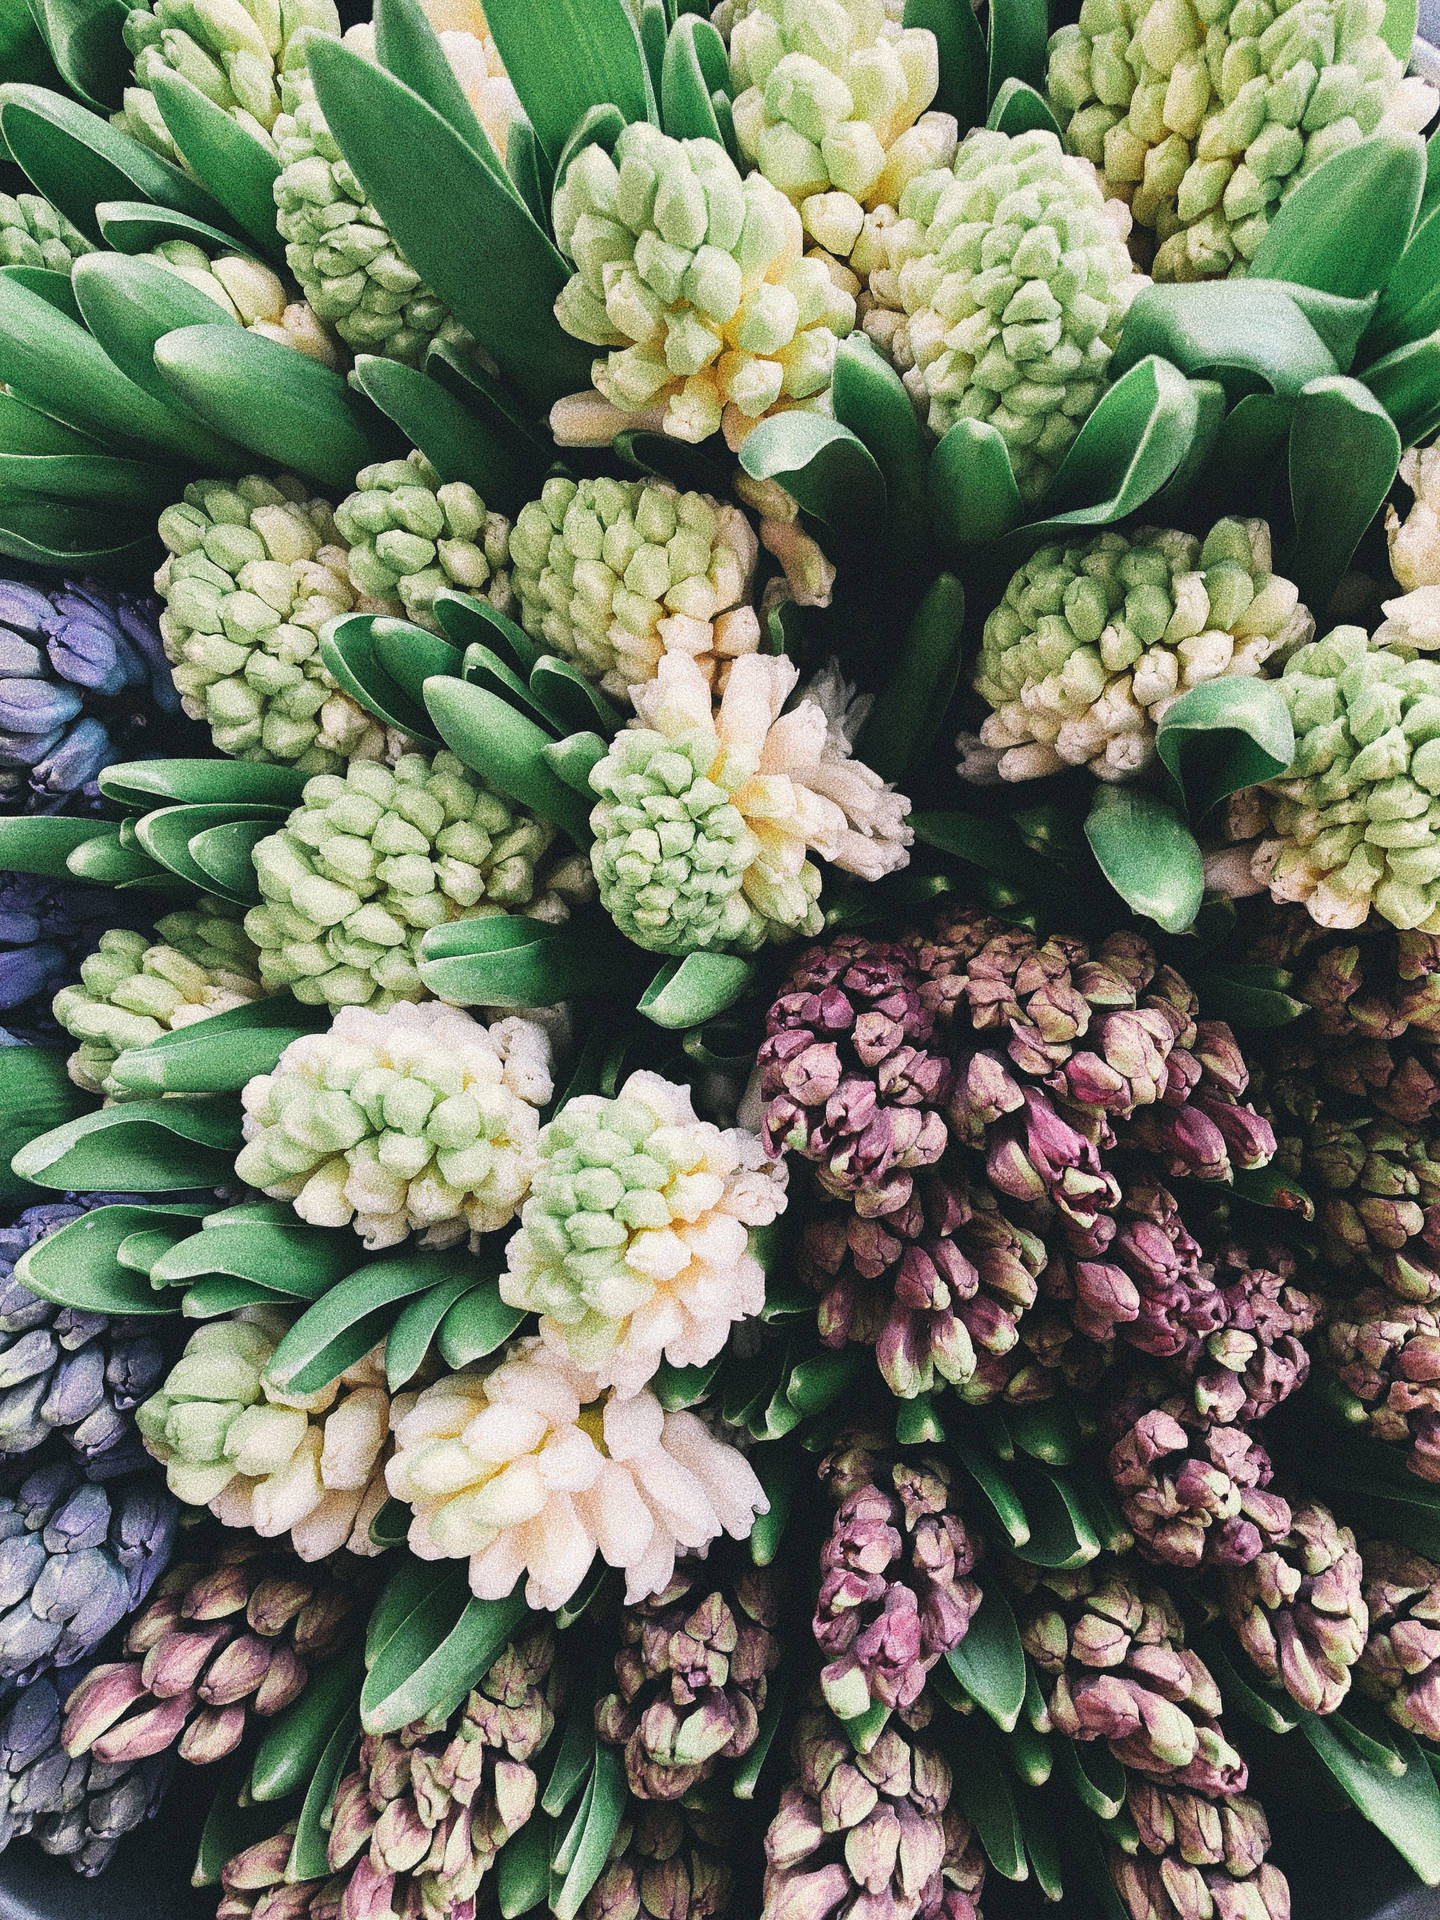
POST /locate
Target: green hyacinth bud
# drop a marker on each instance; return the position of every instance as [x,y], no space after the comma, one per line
[613,574]
[830,106]
[132,990]
[694,280]
[1355,823]
[1093,642]
[252,294]
[1000,291]
[235,51]
[256,570]
[371,859]
[409,536]
[1202,118]
[417,1120]
[35,234]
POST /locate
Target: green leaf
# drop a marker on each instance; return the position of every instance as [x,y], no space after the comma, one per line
[231,1825]
[1346,224]
[407,45]
[911,706]
[409,1339]
[36,1095]
[225,854]
[574,759]
[77,1266]
[1223,735]
[995,1490]
[530,172]
[276,403]
[293,1742]
[314,1351]
[129,304]
[85,42]
[1019,32]
[686,992]
[569,700]
[1060,1531]
[420,1620]
[107,861]
[481,666]
[606,1803]
[686,112]
[140,1146]
[1173,498]
[239,170]
[983,1794]
[486,397]
[1409,305]
[746,1776]
[1344,455]
[1406,1810]
[73,538]
[679,1388]
[869,398]
[309,1854]
[1405,383]
[599,126]
[522,1872]
[964,61]
[166,835]
[574,1757]
[1095,1776]
[990,1662]
[219,1054]
[1148,855]
[241,783]
[1233,993]
[566,57]
[1243,333]
[24,430]
[1018,108]
[452,218]
[469,621]
[973,496]
[410,1584]
[437,1684]
[826,468]
[778,1470]
[479,1323]
[1243,1690]
[508,960]
[459,444]
[507,748]
[280,1253]
[90,479]
[1045,1429]
[349,647]
[391,1525]
[40,843]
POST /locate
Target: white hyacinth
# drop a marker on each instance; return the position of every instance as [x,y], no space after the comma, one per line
[1415,540]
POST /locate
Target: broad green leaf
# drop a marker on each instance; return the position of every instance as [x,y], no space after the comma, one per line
[486,397]
[139,1146]
[410,1584]
[870,399]
[450,216]
[679,1388]
[917,1422]
[391,1524]
[277,403]
[566,57]
[128,304]
[109,861]
[1148,855]
[24,430]
[983,1793]
[995,846]
[1094,1775]
[529,171]
[446,1671]
[419,1617]
[222,1053]
[989,1662]
[1060,1531]
[85,42]
[135,226]
[1340,321]
[294,1741]
[1410,302]
[36,1095]
[77,1266]
[569,700]
[166,835]
[1248,456]
[241,783]
[1406,383]
[910,708]
[1346,224]
[1045,1429]
[73,537]
[1234,994]
[508,960]
[481,666]
[606,1804]
[309,1854]
[691,468]
[1244,333]
[233,1823]
[23,52]
[51,285]
[964,59]
[281,1254]
[822,465]
[409,1339]
[1223,735]
[239,170]
[1018,108]
[90,479]
[1019,32]
[687,991]
[349,649]
[599,126]
[686,112]
[1166,506]
[339,1321]
[406,44]
[1406,1810]
[522,1872]
[1344,455]
[459,445]
[779,1472]
[55,365]
[973,496]
[507,748]
[468,621]
[224,853]
[1243,1689]
[41,843]
[479,1323]
[746,1776]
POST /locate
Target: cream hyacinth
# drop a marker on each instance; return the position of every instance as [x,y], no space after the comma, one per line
[530,1468]
[1415,540]
[635,1240]
[417,1120]
[307,1465]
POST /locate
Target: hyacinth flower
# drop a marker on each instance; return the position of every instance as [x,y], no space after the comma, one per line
[76,1556]
[528,1467]
[76,1808]
[1386,1353]
[66,1372]
[692,1676]
[419,1120]
[895,1588]
[635,1241]
[306,1466]
[1400,1664]
[1196,1856]
[1414,540]
[47,927]
[409,535]
[83,682]
[35,234]
[669,1861]
[694,281]
[708,815]
[223,1642]
[1299,1610]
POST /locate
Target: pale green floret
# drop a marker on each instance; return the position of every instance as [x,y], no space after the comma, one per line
[250,293]
[694,279]
[370,861]
[256,570]
[409,535]
[1355,824]
[132,989]
[613,574]
[1000,291]
[35,234]
[1204,116]
[1092,643]
[235,51]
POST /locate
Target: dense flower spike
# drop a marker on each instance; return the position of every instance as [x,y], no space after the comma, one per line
[1386,1352]
[418,1120]
[132,989]
[895,1587]
[1203,118]
[223,1642]
[668,1862]
[35,234]
[83,682]
[1353,825]
[1197,1856]
[75,1557]
[256,570]
[999,293]
[707,816]
[67,1372]
[77,1810]
[868,1833]
[691,1677]
[1298,1609]
[635,1241]
[256,1882]
[1400,1666]
[373,858]
[251,293]
[1414,542]
[615,574]
[309,1466]
[409,536]
[418,1824]
[694,280]
[528,1467]
[1092,643]
[830,107]
[1113,1665]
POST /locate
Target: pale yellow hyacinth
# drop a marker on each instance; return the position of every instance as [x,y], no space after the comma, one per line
[530,1469]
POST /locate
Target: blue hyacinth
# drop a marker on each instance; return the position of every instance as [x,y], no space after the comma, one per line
[47,927]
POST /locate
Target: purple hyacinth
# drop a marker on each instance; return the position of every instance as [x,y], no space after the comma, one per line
[47,927]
